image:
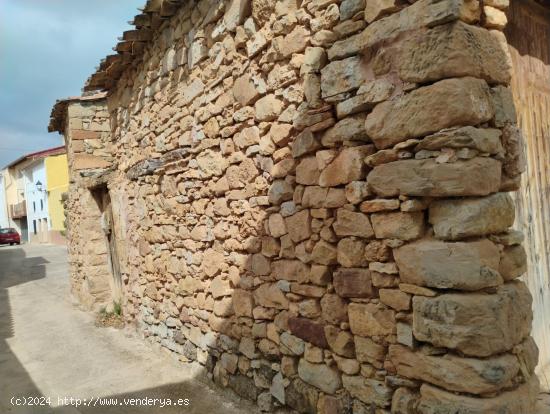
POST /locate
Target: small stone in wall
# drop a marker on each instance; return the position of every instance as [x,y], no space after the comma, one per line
[270,296]
[396,299]
[494,18]
[324,253]
[320,376]
[347,167]
[374,206]
[280,191]
[368,391]
[398,225]
[268,108]
[349,223]
[369,351]
[350,252]
[377,8]
[341,76]
[513,262]
[353,283]
[307,172]
[371,320]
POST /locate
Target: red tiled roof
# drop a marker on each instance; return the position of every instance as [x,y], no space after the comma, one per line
[38,155]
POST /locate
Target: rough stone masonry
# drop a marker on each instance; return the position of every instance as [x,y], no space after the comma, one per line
[311,199]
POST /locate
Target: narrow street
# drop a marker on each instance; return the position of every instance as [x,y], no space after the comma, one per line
[50,349]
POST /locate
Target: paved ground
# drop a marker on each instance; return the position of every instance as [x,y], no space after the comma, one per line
[48,348]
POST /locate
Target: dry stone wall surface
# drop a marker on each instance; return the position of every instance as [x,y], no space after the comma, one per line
[90,156]
[316,204]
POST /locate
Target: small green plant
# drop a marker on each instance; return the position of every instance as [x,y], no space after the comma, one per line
[117,308]
[110,315]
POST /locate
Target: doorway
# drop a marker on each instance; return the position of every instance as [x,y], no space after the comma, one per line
[103,199]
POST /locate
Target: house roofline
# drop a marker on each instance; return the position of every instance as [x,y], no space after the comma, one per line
[37,155]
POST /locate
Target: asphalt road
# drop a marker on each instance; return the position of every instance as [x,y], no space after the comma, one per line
[50,350]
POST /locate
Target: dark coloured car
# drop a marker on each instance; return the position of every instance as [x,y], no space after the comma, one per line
[9,236]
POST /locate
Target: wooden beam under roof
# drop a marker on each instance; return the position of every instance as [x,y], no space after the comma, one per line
[142,35]
[142,20]
[152,6]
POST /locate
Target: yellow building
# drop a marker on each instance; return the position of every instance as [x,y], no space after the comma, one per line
[57,183]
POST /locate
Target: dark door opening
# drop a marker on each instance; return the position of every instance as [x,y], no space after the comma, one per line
[103,200]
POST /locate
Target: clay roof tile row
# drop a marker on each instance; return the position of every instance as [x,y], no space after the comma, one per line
[132,43]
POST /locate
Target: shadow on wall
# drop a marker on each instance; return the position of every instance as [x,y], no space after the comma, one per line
[15,381]
[240,278]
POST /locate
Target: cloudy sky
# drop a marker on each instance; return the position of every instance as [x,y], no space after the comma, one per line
[48,48]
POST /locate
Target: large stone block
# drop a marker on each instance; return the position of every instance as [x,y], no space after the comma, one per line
[476,324]
[520,400]
[465,266]
[455,373]
[423,13]
[453,50]
[475,177]
[447,103]
[470,217]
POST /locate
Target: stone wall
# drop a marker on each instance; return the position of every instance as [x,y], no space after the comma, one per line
[85,125]
[314,204]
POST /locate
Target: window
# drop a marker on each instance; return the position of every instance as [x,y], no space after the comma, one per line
[41,205]
[34,207]
[34,226]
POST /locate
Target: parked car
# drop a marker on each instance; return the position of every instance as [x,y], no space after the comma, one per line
[9,236]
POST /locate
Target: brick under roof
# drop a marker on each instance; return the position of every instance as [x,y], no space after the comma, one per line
[59,110]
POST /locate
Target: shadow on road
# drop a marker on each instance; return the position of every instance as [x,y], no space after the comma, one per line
[15,382]
[17,267]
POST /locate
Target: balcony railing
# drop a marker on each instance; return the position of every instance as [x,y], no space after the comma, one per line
[18,210]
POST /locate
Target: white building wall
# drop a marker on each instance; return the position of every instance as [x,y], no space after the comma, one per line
[4,218]
[37,201]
